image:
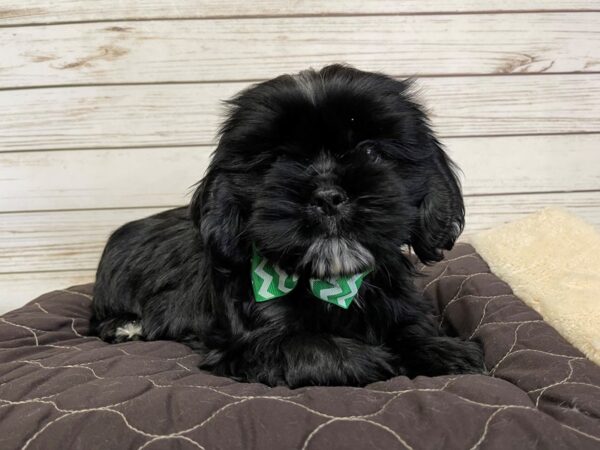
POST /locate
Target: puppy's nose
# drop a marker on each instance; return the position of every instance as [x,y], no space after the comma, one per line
[329,199]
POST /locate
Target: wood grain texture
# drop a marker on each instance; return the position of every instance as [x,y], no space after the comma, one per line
[114,107]
[100,178]
[20,288]
[73,240]
[43,11]
[189,114]
[486,212]
[120,178]
[217,50]
[534,164]
[61,240]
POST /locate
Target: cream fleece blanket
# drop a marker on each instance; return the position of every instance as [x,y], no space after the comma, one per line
[551,260]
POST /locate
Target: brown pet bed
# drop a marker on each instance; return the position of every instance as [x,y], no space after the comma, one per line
[60,389]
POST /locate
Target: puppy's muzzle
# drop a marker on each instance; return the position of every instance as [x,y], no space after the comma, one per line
[335,256]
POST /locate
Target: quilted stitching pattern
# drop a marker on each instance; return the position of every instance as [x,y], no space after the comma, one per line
[62,389]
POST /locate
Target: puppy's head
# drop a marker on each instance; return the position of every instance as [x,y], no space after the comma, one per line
[328,173]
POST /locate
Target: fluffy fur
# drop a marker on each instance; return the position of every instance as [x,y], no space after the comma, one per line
[327,173]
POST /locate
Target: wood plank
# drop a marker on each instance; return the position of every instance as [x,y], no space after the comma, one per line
[100,178]
[59,240]
[93,53]
[73,240]
[188,114]
[20,288]
[121,178]
[533,164]
[15,12]
[489,211]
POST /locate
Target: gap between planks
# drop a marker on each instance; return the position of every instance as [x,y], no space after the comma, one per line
[260,80]
[302,16]
[159,146]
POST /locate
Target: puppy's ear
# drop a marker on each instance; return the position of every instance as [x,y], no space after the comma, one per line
[441,214]
[216,212]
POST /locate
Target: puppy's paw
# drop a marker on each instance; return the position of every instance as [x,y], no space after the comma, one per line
[321,360]
[115,330]
[445,356]
[468,358]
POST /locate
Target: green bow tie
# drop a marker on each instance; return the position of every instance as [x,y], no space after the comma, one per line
[269,282]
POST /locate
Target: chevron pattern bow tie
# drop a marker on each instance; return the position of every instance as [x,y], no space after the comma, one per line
[270,282]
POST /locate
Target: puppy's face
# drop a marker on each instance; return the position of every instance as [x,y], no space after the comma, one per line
[328,173]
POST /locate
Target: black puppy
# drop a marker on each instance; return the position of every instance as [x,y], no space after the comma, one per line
[320,182]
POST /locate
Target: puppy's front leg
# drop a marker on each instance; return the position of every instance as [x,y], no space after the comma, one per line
[301,359]
[325,360]
[423,351]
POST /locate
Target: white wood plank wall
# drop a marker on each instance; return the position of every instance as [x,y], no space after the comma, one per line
[108,109]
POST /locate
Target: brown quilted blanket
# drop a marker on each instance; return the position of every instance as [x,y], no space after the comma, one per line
[61,389]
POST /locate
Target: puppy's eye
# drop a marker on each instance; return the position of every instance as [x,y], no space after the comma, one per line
[372,153]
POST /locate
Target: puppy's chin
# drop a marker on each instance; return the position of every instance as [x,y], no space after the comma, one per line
[335,256]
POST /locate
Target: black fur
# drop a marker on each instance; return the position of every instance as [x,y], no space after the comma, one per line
[185,274]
